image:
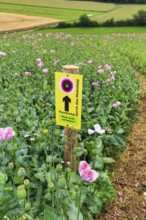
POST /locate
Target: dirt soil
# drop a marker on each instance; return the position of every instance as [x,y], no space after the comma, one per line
[129,177]
[14,22]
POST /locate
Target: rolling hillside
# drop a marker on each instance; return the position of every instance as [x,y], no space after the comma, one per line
[70,10]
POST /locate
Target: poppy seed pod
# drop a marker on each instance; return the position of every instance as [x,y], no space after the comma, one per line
[21,172]
[21,192]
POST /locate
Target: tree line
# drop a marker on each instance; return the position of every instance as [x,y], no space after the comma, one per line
[120,1]
[138,19]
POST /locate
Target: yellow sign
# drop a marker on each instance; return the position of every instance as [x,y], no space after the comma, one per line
[68,96]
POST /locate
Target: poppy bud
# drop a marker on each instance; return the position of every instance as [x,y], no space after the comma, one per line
[27,206]
[3,177]
[6,217]
[21,172]
[11,165]
[51,186]
[21,192]
[57,132]
[45,131]
[59,168]
[27,183]
[63,141]
[61,183]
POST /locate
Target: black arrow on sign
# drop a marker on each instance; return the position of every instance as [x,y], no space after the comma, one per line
[66,101]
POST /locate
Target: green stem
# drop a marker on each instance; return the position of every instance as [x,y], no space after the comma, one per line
[14,188]
[79,203]
[28,194]
[53,200]
[3,156]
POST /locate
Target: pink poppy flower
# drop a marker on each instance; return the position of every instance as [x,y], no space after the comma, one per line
[6,133]
[136,185]
[120,194]
[45,71]
[40,64]
[118,213]
[86,172]
[107,67]
[82,166]
[112,73]
[2,54]
[116,104]
[52,51]
[90,62]
[95,84]
[113,76]
[89,175]
[38,60]
[100,71]
[108,80]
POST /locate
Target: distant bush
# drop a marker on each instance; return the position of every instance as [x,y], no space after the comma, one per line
[140,18]
[85,21]
[64,24]
[109,23]
[122,23]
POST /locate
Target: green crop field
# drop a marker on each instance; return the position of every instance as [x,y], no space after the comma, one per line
[64,4]
[70,10]
[62,14]
[121,12]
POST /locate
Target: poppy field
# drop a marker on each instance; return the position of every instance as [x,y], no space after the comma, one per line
[34,183]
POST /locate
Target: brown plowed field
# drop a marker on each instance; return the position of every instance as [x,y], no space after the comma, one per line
[14,22]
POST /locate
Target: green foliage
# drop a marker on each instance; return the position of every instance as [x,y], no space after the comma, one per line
[84,21]
[109,23]
[32,161]
[64,24]
[74,212]
[140,18]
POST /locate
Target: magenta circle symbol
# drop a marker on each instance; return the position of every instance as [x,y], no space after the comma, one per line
[66,85]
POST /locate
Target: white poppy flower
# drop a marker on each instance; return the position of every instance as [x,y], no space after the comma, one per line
[90,131]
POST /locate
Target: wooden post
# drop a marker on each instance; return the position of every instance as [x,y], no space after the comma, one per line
[70,133]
